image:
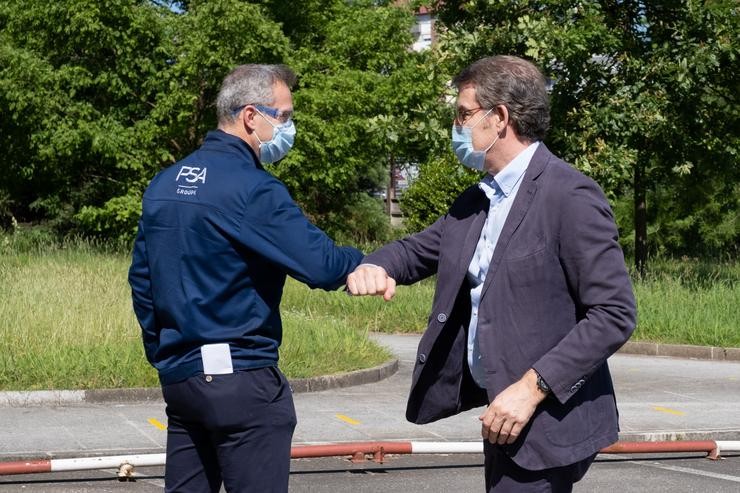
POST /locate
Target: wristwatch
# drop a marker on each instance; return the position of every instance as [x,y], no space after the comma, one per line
[542,385]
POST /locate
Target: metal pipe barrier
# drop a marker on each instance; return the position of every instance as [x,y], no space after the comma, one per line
[357,451]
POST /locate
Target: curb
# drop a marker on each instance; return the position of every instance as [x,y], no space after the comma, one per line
[149,394]
[339,380]
[681,351]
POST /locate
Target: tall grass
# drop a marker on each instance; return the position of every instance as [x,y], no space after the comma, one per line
[689,301]
[683,301]
[66,318]
[66,323]
[407,312]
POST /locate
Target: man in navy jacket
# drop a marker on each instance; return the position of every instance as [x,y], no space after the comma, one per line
[532,292]
[217,237]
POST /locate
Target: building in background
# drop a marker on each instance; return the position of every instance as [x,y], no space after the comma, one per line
[423,30]
[402,174]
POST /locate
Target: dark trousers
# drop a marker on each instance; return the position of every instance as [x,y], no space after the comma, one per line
[235,428]
[503,475]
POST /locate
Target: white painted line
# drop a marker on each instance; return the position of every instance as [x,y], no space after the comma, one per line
[688,470]
[682,395]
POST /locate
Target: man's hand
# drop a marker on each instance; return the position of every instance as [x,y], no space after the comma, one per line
[511,410]
[371,279]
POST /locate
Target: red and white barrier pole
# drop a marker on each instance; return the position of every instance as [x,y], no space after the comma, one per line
[356,450]
[80,464]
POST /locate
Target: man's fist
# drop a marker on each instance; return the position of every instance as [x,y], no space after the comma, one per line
[371,279]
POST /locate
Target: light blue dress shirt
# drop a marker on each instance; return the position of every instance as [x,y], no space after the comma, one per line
[501,191]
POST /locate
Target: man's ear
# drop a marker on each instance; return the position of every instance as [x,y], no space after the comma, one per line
[502,112]
[248,117]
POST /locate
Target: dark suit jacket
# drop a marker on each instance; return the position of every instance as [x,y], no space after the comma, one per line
[557,298]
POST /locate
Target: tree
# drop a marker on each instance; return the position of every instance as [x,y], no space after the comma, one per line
[644,99]
[199,47]
[75,81]
[361,100]
[103,95]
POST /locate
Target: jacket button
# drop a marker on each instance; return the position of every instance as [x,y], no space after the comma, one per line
[441,318]
[422,358]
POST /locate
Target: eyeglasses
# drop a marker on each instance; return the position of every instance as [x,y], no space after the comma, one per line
[281,116]
[462,115]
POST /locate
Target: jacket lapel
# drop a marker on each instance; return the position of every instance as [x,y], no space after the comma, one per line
[472,233]
[522,202]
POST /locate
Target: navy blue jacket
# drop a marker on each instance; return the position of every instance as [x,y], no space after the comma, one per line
[217,237]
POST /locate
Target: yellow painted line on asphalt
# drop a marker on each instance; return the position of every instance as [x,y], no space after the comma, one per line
[669,411]
[347,419]
[156,424]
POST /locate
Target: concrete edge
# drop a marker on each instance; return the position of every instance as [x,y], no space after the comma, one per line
[681,351]
[339,380]
[149,394]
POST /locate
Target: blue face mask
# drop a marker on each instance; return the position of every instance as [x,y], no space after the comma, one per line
[462,144]
[276,148]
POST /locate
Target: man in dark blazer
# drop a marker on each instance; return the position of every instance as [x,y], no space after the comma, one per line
[532,292]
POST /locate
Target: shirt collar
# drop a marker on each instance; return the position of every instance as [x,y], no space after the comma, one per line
[506,179]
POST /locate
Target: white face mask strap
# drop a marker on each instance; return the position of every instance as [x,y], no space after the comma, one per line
[270,123]
[481,119]
[494,141]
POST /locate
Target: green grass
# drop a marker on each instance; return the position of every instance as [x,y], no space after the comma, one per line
[66,320]
[689,301]
[407,312]
[66,323]
[684,301]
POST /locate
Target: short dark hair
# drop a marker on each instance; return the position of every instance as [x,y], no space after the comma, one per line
[250,84]
[514,83]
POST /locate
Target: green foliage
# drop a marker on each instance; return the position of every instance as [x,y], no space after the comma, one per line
[432,193]
[364,220]
[100,96]
[361,97]
[76,82]
[637,86]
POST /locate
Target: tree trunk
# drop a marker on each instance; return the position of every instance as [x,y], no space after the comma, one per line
[641,240]
[391,191]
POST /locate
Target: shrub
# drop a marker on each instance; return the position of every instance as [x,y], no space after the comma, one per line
[440,181]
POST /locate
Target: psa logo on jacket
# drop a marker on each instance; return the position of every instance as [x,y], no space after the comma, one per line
[187,178]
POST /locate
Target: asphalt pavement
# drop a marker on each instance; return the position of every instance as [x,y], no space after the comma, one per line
[659,398]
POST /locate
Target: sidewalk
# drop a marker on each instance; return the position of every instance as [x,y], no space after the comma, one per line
[659,399]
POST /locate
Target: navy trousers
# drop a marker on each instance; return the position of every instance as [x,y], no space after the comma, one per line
[503,475]
[235,428]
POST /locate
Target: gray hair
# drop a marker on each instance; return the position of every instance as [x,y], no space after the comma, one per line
[514,83]
[250,84]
